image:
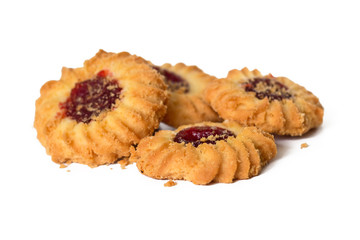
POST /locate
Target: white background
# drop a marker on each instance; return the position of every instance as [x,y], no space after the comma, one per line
[307,193]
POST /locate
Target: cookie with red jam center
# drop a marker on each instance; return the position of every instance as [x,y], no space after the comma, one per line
[186,104]
[273,104]
[205,152]
[94,114]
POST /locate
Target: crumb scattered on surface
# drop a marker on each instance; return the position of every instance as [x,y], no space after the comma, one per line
[68,170]
[111,168]
[63,166]
[124,162]
[304,145]
[170,183]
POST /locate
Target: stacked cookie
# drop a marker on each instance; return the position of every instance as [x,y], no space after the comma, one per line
[109,109]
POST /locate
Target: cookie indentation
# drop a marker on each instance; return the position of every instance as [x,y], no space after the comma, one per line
[202,134]
[267,87]
[174,81]
[90,97]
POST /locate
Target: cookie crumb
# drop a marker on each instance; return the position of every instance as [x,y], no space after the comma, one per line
[68,170]
[63,166]
[124,162]
[111,168]
[304,145]
[170,183]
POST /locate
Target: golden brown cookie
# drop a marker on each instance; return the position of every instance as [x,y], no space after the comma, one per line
[93,114]
[186,104]
[205,152]
[274,104]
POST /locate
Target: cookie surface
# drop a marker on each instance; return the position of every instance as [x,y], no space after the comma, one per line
[93,114]
[273,104]
[205,152]
[186,103]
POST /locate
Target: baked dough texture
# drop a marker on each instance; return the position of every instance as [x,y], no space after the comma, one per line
[108,136]
[273,104]
[240,156]
[186,104]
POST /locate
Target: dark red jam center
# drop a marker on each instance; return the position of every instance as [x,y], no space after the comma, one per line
[90,97]
[174,81]
[202,134]
[266,87]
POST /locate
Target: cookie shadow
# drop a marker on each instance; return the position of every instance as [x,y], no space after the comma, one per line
[312,133]
[283,145]
[282,150]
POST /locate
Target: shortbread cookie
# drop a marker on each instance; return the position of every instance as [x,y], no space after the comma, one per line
[205,152]
[274,104]
[92,115]
[186,104]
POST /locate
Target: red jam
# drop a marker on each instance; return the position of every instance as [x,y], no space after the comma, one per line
[202,134]
[90,97]
[266,87]
[174,81]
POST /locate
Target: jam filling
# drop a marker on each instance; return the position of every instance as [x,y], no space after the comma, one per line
[90,97]
[266,87]
[202,134]
[174,81]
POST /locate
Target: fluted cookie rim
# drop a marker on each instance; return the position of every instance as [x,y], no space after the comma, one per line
[293,116]
[140,85]
[161,147]
[190,107]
